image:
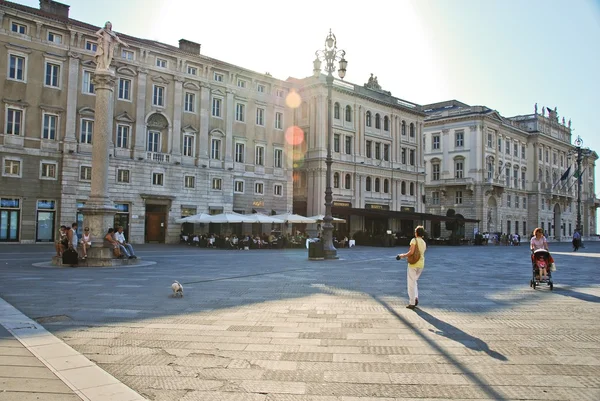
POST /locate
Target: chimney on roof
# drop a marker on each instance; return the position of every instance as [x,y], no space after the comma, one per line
[189,46]
[54,7]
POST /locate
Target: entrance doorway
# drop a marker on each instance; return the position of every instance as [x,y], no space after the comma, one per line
[156,223]
[557,222]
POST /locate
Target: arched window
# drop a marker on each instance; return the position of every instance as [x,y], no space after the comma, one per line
[336,180]
[516,176]
[412,189]
[336,111]
[349,114]
[376,184]
[507,172]
[386,123]
[377,121]
[348,181]
[412,130]
[547,176]
[304,110]
[403,188]
[540,175]
[368,184]
[386,186]
[368,119]
[554,177]
[403,127]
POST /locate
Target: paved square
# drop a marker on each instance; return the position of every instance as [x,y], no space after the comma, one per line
[270,325]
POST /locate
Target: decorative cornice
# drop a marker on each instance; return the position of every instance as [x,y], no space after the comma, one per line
[160,79]
[124,117]
[75,55]
[53,109]
[86,111]
[191,85]
[189,130]
[126,70]
[142,70]
[55,56]
[18,103]
[12,46]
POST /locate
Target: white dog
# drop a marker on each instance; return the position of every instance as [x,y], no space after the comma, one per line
[177,289]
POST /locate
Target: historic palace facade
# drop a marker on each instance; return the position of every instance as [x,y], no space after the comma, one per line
[191,134]
[506,172]
[378,160]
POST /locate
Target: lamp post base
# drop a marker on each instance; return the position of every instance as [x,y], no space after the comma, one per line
[330,254]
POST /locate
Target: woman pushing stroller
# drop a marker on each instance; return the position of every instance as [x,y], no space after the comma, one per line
[540,257]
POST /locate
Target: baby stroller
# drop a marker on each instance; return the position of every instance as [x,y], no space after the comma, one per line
[540,258]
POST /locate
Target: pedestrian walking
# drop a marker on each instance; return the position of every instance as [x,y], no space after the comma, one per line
[576,240]
[416,263]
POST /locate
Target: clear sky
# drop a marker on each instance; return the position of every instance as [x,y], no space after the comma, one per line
[504,54]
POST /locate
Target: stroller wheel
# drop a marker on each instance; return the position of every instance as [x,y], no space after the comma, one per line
[533,285]
[551,286]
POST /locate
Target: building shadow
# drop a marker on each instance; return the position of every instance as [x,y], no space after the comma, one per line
[576,294]
[472,376]
[454,333]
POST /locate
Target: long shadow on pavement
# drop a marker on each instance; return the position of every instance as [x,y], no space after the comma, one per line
[454,333]
[434,345]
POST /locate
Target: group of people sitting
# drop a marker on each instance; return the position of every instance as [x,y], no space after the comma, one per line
[232,241]
[115,239]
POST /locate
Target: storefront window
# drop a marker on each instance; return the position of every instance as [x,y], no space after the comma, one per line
[10,210]
[45,218]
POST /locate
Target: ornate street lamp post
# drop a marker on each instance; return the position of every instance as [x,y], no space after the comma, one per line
[330,54]
[581,152]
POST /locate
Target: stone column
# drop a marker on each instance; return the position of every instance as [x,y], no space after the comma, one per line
[229,115]
[205,107]
[140,115]
[177,115]
[70,138]
[99,210]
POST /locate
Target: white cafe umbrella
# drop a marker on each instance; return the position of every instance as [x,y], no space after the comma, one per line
[197,218]
[264,219]
[320,218]
[295,218]
[230,217]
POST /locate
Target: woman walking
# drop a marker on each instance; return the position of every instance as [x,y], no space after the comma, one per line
[415,267]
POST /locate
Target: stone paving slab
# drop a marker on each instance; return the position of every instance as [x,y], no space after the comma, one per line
[330,331]
[34,364]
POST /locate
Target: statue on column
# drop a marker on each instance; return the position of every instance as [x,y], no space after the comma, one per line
[107,41]
[543,111]
[569,123]
[536,108]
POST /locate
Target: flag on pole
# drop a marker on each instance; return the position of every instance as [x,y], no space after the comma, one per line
[565,174]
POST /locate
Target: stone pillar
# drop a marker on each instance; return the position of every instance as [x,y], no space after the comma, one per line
[99,210]
[70,138]
[229,115]
[140,115]
[177,115]
[205,108]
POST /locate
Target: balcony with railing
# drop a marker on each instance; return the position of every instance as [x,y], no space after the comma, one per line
[158,157]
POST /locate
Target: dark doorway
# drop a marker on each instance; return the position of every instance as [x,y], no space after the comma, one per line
[156,223]
[436,229]
[376,226]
